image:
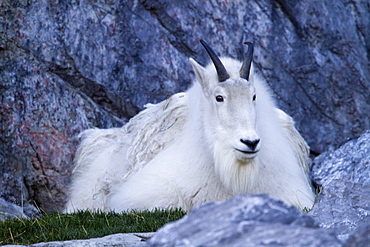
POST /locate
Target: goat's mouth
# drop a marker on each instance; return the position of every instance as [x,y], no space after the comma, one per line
[248,152]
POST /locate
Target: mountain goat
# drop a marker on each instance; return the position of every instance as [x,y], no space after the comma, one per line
[222,137]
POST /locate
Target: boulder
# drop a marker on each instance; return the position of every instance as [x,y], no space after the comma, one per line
[342,207]
[360,237]
[114,240]
[10,210]
[245,220]
[66,66]
[350,162]
[343,175]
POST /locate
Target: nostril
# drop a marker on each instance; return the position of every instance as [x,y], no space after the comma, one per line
[251,144]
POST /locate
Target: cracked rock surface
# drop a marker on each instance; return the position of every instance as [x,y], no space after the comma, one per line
[245,220]
[343,204]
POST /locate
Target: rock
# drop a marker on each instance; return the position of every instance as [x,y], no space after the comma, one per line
[116,240]
[245,220]
[342,207]
[350,162]
[41,118]
[360,237]
[10,210]
[343,203]
[71,65]
[42,109]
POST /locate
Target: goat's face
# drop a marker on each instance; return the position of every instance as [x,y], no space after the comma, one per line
[229,107]
[229,110]
[232,105]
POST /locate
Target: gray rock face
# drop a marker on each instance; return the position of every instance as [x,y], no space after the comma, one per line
[342,207]
[245,220]
[343,204]
[41,118]
[351,162]
[70,65]
[10,210]
[114,240]
[360,237]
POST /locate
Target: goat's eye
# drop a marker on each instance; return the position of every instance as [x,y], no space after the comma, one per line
[254,97]
[219,98]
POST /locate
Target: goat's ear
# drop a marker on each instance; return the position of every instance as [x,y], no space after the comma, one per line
[198,69]
[200,73]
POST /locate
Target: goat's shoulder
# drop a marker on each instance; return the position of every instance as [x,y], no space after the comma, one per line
[156,127]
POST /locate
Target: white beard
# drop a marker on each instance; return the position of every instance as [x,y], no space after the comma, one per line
[237,173]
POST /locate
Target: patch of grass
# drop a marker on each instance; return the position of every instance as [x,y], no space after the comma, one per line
[82,225]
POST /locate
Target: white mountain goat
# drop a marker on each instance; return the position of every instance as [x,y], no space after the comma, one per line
[222,137]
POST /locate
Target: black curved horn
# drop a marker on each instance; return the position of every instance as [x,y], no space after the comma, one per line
[221,71]
[246,67]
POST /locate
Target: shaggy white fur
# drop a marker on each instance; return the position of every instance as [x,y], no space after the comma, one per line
[187,150]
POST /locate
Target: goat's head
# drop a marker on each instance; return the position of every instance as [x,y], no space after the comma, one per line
[229,109]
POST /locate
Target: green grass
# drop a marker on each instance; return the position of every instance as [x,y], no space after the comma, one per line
[82,225]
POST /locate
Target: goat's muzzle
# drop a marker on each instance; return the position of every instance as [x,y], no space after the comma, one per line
[250,148]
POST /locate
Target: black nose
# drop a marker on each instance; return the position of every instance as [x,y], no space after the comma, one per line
[251,144]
